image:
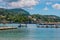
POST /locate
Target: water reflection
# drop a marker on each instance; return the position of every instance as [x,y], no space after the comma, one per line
[31,34]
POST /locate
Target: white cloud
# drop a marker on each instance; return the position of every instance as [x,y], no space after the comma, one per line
[2,7]
[52,0]
[46,8]
[1,0]
[24,3]
[56,6]
[19,3]
[48,3]
[31,8]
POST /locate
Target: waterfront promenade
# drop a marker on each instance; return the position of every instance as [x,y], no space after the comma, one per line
[49,25]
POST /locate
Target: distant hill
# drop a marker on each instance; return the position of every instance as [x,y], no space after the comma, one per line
[46,18]
[13,11]
[22,16]
[14,15]
[51,16]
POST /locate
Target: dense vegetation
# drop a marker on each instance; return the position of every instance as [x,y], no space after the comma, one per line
[22,16]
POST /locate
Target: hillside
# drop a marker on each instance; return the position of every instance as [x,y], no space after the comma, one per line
[13,11]
[13,15]
[22,16]
[45,18]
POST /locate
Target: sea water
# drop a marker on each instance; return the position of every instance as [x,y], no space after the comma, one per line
[32,33]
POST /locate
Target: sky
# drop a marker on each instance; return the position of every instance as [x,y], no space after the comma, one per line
[42,7]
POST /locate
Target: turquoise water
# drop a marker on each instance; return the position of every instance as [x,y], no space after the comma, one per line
[32,33]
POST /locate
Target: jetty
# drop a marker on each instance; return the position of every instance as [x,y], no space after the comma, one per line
[7,28]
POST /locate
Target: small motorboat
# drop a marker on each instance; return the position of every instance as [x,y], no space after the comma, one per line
[22,27]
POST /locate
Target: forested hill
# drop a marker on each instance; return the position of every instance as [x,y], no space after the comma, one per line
[23,16]
[14,15]
[13,11]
